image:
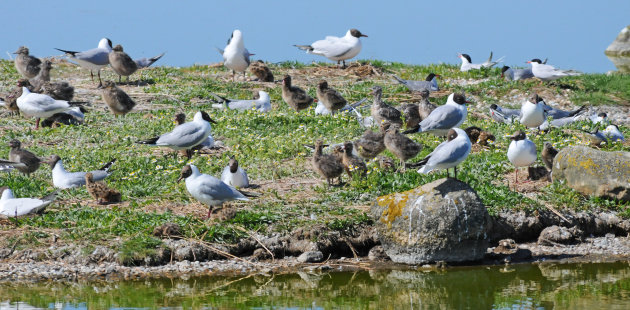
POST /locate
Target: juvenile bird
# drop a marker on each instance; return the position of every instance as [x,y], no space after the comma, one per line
[117,100]
[261,71]
[294,96]
[331,98]
[18,154]
[425,107]
[327,165]
[382,112]
[548,154]
[401,146]
[351,162]
[42,84]
[100,191]
[121,63]
[371,143]
[27,65]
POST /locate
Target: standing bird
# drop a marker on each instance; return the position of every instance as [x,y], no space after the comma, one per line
[327,165]
[430,83]
[42,84]
[382,112]
[425,107]
[121,63]
[546,72]
[117,100]
[20,155]
[510,74]
[352,162]
[444,117]
[28,66]
[521,152]
[532,112]
[468,65]
[371,143]
[94,59]
[261,71]
[40,106]
[548,154]
[100,191]
[208,189]
[185,136]
[235,55]
[331,98]
[294,96]
[63,179]
[234,175]
[448,154]
[401,146]
[14,207]
[335,48]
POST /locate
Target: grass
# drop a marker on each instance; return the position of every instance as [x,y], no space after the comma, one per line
[270,147]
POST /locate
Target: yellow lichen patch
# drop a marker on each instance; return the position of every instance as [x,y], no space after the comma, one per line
[394,204]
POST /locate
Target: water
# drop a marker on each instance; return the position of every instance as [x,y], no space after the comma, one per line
[528,286]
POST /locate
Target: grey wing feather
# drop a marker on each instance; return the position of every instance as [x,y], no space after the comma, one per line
[219,190]
[95,56]
[185,135]
[246,55]
[448,153]
[439,118]
[219,50]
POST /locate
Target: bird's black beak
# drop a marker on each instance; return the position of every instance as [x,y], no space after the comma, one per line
[363,35]
[180,178]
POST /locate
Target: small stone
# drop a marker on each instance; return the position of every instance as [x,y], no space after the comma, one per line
[554,235]
[311,257]
[377,253]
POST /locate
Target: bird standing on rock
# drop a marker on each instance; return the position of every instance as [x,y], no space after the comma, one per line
[27,65]
[122,64]
[335,48]
[331,98]
[294,96]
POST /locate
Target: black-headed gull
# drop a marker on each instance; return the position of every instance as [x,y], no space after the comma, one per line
[546,72]
[429,83]
[521,152]
[63,179]
[468,65]
[448,154]
[185,136]
[327,165]
[122,63]
[400,145]
[335,48]
[330,97]
[208,189]
[382,112]
[234,175]
[28,66]
[516,74]
[117,100]
[94,59]
[15,207]
[532,112]
[262,104]
[443,118]
[20,155]
[235,55]
[40,105]
[294,96]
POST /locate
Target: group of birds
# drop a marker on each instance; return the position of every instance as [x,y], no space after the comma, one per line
[38,97]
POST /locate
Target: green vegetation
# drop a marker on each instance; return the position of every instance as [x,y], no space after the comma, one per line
[270,147]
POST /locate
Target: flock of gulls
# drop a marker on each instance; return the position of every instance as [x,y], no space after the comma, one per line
[38,97]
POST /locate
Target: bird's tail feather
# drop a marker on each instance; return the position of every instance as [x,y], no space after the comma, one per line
[401,81]
[148,141]
[249,194]
[219,50]
[579,111]
[108,165]
[67,52]
[307,48]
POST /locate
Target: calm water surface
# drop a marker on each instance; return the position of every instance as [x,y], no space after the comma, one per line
[536,286]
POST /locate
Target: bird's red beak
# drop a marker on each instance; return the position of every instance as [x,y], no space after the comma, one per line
[528,62]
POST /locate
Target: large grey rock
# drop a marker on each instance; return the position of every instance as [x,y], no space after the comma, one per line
[440,221]
[594,172]
[619,50]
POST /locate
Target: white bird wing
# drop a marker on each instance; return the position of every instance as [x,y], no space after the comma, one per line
[241,104]
[331,47]
[22,206]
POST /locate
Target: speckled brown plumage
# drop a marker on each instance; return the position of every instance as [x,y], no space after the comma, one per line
[371,143]
[27,65]
[261,71]
[412,115]
[100,191]
[548,154]
[117,100]
[329,97]
[382,112]
[351,162]
[327,165]
[19,155]
[386,163]
[425,107]
[295,97]
[400,145]
[122,64]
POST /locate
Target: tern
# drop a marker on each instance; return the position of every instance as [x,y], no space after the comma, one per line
[546,72]
[94,59]
[235,55]
[147,62]
[262,104]
[613,133]
[430,83]
[15,207]
[335,48]
[468,65]
[516,74]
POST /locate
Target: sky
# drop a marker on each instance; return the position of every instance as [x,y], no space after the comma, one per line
[571,34]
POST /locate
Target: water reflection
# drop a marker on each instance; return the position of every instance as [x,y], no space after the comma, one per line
[540,286]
